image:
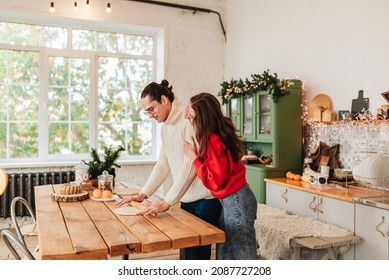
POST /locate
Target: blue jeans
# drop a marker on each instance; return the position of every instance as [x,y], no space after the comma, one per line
[239,211]
[208,210]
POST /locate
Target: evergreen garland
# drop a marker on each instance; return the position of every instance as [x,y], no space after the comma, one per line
[265,82]
[106,161]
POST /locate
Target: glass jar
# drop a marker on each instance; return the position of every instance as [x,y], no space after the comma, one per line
[105,181]
[307,171]
[81,173]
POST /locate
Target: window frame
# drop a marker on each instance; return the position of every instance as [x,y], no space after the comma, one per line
[44,158]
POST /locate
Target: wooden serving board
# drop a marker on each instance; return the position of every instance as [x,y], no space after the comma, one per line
[70,197]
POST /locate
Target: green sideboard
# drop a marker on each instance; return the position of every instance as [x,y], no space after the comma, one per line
[270,128]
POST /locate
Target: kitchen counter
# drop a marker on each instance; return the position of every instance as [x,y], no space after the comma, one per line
[330,190]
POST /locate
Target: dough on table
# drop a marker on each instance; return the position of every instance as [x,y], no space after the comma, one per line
[126,210]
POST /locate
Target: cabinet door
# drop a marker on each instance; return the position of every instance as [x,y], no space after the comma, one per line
[292,200]
[371,224]
[255,178]
[249,117]
[339,213]
[264,119]
[277,196]
[303,203]
[233,110]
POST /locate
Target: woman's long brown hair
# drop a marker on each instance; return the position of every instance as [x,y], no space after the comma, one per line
[210,119]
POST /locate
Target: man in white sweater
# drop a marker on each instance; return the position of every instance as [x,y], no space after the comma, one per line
[159,103]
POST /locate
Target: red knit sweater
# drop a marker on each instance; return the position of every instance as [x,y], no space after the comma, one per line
[219,173]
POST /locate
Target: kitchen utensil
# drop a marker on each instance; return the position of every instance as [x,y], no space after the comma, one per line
[359,104]
[318,105]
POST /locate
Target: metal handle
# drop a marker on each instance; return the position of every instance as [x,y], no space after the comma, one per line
[310,204]
[283,195]
[380,224]
[317,207]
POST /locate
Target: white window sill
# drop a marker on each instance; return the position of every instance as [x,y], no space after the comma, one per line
[58,164]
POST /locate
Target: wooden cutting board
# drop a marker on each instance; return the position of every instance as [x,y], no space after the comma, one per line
[357,105]
[70,197]
[318,105]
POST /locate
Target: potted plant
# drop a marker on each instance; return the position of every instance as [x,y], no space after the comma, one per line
[98,163]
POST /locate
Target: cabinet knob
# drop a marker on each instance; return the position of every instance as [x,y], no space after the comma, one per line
[317,207]
[380,224]
[310,204]
[283,195]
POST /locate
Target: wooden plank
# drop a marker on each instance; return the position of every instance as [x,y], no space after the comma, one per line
[181,235]
[86,239]
[342,241]
[119,239]
[209,234]
[151,238]
[312,242]
[53,238]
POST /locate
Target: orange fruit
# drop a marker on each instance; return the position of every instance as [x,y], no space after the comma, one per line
[106,194]
[297,177]
[97,193]
[289,175]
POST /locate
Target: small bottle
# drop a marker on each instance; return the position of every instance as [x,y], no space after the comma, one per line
[307,170]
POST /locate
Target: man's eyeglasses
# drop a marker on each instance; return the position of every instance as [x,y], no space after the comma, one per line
[151,110]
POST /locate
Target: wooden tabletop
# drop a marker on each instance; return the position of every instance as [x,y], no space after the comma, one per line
[90,229]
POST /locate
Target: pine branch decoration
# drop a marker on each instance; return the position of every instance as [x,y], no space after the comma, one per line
[265,82]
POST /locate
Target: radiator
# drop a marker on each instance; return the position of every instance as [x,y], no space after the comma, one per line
[22,184]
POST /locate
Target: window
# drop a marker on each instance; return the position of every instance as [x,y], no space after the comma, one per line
[65,90]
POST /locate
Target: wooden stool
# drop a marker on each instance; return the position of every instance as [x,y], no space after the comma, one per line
[332,244]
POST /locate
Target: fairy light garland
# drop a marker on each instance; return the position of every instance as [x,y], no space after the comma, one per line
[365,123]
[238,88]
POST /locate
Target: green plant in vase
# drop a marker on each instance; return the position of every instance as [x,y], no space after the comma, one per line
[106,161]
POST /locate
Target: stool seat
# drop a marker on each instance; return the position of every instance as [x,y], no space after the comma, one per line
[332,244]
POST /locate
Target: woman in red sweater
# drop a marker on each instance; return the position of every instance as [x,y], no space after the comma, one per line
[218,165]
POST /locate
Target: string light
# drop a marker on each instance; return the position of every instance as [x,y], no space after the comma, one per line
[108,9]
[76,8]
[52,8]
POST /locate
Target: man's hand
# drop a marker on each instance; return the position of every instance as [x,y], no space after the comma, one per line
[155,207]
[135,197]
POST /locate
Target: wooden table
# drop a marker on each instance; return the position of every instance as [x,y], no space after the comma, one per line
[91,230]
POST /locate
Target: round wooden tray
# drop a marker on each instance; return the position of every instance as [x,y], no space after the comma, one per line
[70,197]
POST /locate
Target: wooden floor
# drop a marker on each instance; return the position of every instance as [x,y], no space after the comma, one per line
[32,242]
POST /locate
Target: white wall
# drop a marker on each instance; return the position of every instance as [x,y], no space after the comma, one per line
[335,47]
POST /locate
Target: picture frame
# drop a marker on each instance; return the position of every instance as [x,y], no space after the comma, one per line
[385,95]
[342,115]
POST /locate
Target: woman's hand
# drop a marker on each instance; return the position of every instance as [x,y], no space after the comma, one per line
[135,197]
[190,149]
[155,207]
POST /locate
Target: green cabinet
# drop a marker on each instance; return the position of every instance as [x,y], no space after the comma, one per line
[270,128]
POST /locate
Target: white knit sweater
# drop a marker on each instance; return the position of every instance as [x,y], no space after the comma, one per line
[186,185]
